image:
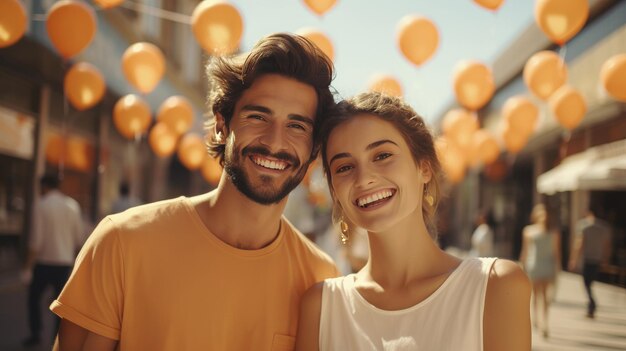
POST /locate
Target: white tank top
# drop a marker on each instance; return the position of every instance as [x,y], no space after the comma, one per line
[451,318]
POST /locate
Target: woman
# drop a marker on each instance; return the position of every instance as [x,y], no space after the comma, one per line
[382,171]
[540,256]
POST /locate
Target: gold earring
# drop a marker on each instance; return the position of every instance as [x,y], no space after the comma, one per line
[343,226]
[430,200]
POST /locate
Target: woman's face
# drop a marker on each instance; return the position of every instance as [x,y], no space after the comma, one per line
[373,174]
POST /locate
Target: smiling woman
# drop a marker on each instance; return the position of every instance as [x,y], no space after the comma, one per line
[410,293]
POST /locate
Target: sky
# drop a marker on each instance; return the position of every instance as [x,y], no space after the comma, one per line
[363,33]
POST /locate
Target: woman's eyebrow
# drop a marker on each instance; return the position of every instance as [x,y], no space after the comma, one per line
[368,147]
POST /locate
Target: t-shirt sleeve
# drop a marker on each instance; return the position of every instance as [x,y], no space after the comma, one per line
[93,297]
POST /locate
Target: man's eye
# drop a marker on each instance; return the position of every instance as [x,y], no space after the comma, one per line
[297,126]
[259,117]
[382,156]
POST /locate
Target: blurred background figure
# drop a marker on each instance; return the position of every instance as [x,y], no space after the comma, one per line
[482,237]
[592,246]
[125,199]
[56,239]
[540,257]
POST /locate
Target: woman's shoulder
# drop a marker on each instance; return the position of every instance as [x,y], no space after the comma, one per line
[506,276]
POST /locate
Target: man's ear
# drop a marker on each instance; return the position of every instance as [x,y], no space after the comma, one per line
[426,170]
[220,129]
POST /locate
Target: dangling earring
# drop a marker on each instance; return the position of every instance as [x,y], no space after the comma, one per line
[430,200]
[343,227]
[218,137]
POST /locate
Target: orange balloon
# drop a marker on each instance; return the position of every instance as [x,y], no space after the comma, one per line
[489,4]
[514,141]
[12,22]
[560,20]
[84,86]
[417,38]
[217,26]
[459,127]
[521,114]
[568,107]
[143,65]
[385,84]
[211,170]
[451,158]
[320,39]
[544,73]
[320,6]
[473,84]
[613,77]
[191,151]
[71,26]
[162,140]
[486,147]
[176,112]
[107,4]
[131,116]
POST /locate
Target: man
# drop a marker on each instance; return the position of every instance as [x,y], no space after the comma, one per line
[223,270]
[56,238]
[593,243]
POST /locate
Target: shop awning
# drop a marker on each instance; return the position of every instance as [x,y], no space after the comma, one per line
[598,168]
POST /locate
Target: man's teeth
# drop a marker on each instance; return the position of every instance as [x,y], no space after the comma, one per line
[364,201]
[270,164]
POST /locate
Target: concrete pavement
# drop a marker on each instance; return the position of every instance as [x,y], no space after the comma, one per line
[570,330]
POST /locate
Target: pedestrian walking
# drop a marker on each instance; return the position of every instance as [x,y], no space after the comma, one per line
[56,238]
[592,246]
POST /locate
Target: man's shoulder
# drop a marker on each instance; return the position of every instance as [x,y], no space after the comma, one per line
[305,248]
[152,215]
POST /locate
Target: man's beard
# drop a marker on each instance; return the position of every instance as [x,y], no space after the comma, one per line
[261,194]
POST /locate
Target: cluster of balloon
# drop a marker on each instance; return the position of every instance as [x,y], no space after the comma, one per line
[84,86]
[485,147]
[451,158]
[176,112]
[320,39]
[71,25]
[320,7]
[217,26]
[162,140]
[143,65]
[418,38]
[473,84]
[544,73]
[490,4]
[191,151]
[211,170]
[568,107]
[613,76]
[131,116]
[520,120]
[12,22]
[107,4]
[385,84]
[561,20]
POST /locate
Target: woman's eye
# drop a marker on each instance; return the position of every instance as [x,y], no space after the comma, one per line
[343,169]
[382,156]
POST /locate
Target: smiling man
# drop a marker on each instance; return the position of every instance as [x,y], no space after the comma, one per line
[223,270]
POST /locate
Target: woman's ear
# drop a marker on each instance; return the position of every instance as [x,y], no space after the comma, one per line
[426,171]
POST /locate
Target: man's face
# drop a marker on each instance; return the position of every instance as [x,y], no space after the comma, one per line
[270,138]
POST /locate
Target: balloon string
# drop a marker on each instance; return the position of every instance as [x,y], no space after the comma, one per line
[157,12]
[563,52]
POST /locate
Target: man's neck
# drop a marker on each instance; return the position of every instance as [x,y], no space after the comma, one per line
[237,220]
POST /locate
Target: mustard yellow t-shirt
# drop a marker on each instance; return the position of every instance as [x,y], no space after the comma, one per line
[155,278]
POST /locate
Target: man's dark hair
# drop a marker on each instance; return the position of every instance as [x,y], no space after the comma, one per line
[51,181]
[289,55]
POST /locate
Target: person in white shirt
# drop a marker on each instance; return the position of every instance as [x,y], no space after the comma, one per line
[482,237]
[383,170]
[56,238]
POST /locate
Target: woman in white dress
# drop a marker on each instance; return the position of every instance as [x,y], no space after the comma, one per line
[383,174]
